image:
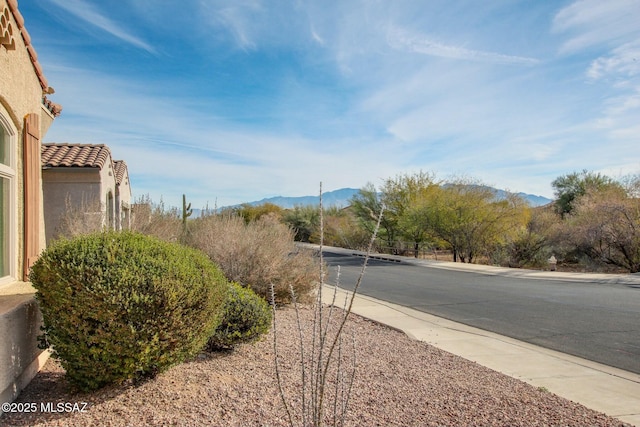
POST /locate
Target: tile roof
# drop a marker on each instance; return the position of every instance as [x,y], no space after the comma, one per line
[120,169]
[54,108]
[75,155]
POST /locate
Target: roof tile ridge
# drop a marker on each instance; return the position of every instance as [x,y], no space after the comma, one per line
[88,144]
[13,7]
[54,108]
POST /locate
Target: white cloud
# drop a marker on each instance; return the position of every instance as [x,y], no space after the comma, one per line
[596,22]
[413,94]
[172,147]
[316,36]
[254,24]
[623,62]
[237,23]
[618,75]
[609,31]
[403,40]
[624,104]
[89,14]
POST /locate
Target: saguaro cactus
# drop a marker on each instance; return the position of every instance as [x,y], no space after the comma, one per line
[186,212]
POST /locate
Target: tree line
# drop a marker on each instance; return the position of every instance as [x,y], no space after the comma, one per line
[593,222]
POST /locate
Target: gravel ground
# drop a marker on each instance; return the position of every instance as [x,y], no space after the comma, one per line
[398,382]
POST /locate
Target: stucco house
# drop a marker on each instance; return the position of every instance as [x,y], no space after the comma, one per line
[85,179]
[25,117]
[123,195]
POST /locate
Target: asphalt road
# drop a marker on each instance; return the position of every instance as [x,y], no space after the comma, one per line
[595,321]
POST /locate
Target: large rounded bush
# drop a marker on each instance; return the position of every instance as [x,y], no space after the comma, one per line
[245,317]
[120,306]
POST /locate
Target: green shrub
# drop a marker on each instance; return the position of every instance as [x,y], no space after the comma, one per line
[245,317]
[120,306]
[527,249]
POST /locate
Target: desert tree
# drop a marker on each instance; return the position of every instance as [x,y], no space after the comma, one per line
[399,195]
[341,229]
[467,216]
[402,195]
[304,220]
[250,212]
[365,205]
[569,188]
[541,237]
[605,225]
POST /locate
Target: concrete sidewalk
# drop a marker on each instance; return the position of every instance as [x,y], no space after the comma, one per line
[609,390]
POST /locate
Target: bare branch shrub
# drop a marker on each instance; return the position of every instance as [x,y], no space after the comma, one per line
[256,254]
[77,220]
[322,356]
[606,227]
[155,220]
[343,231]
[631,184]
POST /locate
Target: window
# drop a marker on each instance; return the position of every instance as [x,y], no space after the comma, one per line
[110,214]
[7,199]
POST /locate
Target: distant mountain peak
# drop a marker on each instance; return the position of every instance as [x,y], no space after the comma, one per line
[342,198]
[338,198]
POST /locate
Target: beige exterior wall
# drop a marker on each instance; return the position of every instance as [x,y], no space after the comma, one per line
[20,95]
[86,189]
[108,189]
[83,189]
[123,203]
[80,188]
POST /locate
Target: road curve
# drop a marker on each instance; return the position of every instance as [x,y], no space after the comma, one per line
[587,316]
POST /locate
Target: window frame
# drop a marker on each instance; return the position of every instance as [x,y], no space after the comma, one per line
[9,172]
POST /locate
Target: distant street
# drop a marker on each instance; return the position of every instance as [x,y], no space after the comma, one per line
[599,322]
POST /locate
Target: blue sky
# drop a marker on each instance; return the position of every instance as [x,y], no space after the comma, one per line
[233,101]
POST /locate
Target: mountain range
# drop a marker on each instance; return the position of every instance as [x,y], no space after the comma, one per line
[341,198]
